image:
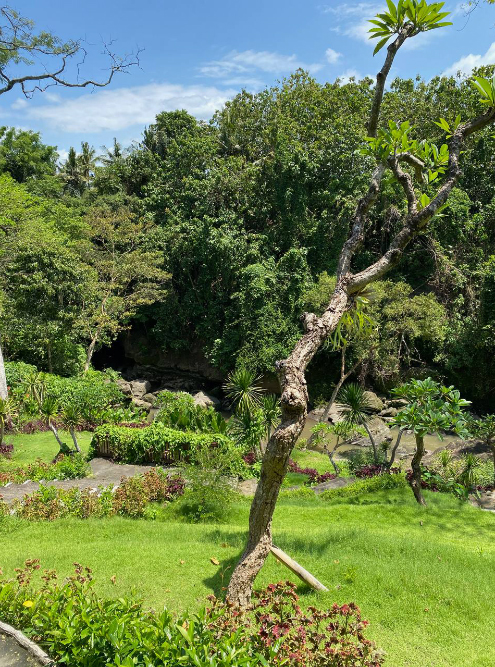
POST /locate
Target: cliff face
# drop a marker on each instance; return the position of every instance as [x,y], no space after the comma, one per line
[191,362]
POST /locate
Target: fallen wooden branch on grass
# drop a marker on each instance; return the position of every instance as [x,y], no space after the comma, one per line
[303,574]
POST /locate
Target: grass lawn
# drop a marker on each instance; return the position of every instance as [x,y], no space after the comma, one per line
[423,577]
[28,448]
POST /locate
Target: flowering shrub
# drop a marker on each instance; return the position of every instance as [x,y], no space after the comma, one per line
[75,626]
[6,450]
[65,467]
[129,499]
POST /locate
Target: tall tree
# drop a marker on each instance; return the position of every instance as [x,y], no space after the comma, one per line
[129,275]
[404,159]
[20,45]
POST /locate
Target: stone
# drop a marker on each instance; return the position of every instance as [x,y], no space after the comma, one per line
[397,403]
[140,387]
[388,412]
[142,404]
[150,398]
[375,404]
[336,483]
[124,386]
[206,400]
[247,487]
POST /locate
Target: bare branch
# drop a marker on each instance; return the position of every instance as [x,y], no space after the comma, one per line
[405,181]
[417,164]
[381,77]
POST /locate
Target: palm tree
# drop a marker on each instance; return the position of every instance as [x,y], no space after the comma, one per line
[247,428]
[71,418]
[34,386]
[243,390]
[356,410]
[270,405]
[71,171]
[86,161]
[112,154]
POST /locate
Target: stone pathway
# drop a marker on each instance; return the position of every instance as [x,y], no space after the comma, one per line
[12,655]
[248,487]
[103,473]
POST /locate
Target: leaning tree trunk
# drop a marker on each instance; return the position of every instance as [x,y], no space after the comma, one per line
[416,469]
[372,440]
[89,353]
[394,450]
[3,377]
[274,467]
[74,439]
[63,447]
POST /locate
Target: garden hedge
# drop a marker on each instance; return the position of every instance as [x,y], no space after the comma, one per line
[159,444]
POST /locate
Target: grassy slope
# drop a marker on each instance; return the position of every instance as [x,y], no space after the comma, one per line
[423,577]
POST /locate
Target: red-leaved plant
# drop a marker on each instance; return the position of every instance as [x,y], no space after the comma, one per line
[284,634]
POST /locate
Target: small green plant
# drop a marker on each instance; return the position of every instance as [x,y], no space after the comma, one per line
[210,494]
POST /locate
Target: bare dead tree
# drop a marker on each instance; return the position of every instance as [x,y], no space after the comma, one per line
[291,371]
[21,48]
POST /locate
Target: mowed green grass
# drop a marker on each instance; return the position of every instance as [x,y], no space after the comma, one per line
[28,448]
[423,577]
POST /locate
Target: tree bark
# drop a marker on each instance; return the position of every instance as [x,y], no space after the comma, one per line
[394,450]
[274,467]
[74,440]
[3,377]
[372,440]
[53,429]
[416,470]
[493,454]
[89,353]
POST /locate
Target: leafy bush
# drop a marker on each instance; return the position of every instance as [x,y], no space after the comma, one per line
[131,498]
[178,411]
[66,467]
[378,483]
[158,444]
[209,495]
[372,470]
[75,626]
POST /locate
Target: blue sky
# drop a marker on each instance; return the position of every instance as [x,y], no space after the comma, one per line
[197,54]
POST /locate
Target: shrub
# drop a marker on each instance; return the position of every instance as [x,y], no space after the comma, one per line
[378,483]
[372,470]
[210,494]
[177,410]
[314,476]
[6,450]
[65,467]
[76,626]
[131,498]
[158,444]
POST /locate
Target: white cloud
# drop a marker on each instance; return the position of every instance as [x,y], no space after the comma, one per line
[332,56]
[242,64]
[349,74]
[466,64]
[124,107]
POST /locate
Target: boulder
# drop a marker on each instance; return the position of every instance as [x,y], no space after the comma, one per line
[397,403]
[124,386]
[206,400]
[139,388]
[247,487]
[388,412]
[142,404]
[375,404]
[150,398]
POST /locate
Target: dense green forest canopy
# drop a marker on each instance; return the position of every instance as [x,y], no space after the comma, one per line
[222,234]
